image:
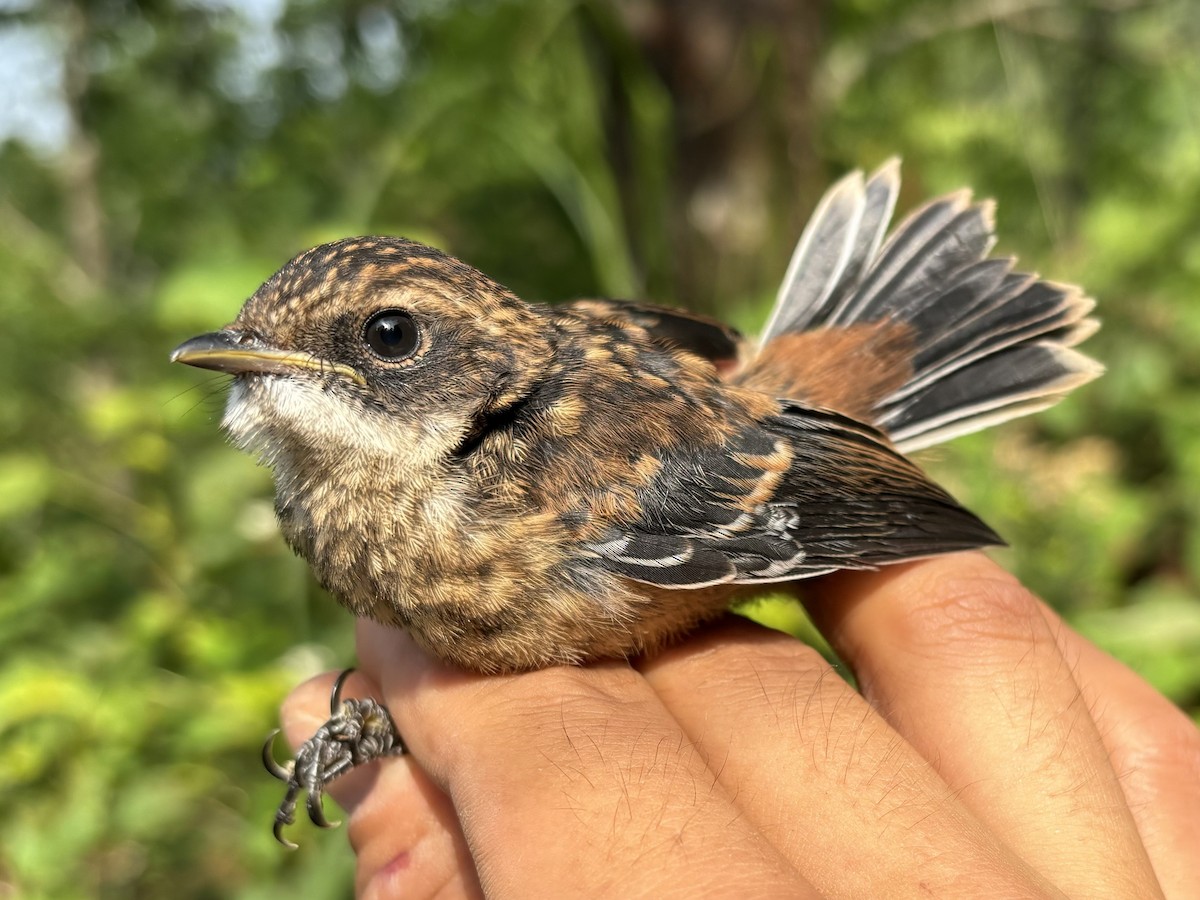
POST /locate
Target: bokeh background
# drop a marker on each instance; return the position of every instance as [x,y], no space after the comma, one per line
[159,159]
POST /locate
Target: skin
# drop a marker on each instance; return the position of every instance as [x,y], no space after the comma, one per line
[992,752]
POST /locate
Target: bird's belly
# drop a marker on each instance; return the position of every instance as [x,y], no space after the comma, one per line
[491,596]
[505,625]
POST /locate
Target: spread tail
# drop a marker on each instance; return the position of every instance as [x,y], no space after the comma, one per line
[922,335]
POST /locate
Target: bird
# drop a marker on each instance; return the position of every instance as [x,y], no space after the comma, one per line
[521,485]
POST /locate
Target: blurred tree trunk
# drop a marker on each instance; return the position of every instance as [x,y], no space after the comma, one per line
[739,74]
[80,166]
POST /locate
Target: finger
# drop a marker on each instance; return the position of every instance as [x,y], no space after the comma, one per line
[842,796]
[407,840]
[577,775]
[403,829]
[1155,750]
[959,659]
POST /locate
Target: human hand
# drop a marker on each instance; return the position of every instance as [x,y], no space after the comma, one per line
[992,752]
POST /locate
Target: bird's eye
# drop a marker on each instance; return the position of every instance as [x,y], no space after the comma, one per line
[391,334]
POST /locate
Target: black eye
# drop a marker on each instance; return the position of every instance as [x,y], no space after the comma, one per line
[391,334]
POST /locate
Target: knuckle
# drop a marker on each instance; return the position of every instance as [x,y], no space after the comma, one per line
[944,609]
[760,682]
[599,742]
[551,702]
[794,692]
[724,662]
[531,718]
[780,675]
[1164,752]
[767,682]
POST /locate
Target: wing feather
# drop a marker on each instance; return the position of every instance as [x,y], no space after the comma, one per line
[676,328]
[802,494]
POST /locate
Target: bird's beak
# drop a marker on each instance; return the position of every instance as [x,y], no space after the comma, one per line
[230,351]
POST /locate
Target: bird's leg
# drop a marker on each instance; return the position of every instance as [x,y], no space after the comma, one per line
[357,732]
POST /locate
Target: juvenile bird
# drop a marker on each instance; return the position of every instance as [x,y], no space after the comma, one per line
[521,485]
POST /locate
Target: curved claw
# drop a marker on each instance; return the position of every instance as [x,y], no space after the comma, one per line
[278,832]
[316,811]
[283,773]
[335,694]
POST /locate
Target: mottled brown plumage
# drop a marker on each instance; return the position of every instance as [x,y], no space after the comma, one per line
[463,491]
[521,485]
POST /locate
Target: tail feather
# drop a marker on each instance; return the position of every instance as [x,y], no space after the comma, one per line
[929,247]
[976,290]
[1015,382]
[821,257]
[987,343]
[841,240]
[1037,311]
[878,203]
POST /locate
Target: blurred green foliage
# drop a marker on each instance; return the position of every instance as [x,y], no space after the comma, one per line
[150,617]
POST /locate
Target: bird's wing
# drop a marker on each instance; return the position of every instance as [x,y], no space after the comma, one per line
[675,328]
[806,492]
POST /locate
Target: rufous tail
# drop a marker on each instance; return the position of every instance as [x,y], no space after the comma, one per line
[921,335]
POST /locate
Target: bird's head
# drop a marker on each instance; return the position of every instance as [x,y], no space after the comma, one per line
[373,345]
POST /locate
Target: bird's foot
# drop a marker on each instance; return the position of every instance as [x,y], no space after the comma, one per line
[357,732]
